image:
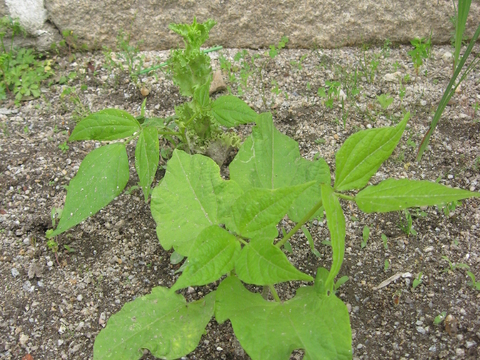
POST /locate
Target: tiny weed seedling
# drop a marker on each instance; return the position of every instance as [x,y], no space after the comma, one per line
[407,225]
[473,283]
[21,73]
[385,100]
[439,318]
[298,64]
[64,147]
[330,93]
[386,265]
[417,281]
[231,229]
[365,236]
[385,241]
[454,266]
[420,52]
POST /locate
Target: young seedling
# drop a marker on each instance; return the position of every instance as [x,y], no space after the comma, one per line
[420,52]
[385,100]
[417,281]
[473,283]
[407,226]
[454,266]
[231,229]
[365,236]
[64,147]
[439,318]
[385,241]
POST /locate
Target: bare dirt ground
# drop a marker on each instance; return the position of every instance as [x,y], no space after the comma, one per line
[53,305]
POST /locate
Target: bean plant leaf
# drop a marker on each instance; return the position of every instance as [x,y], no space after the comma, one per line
[147,154]
[211,256]
[336,226]
[161,322]
[312,321]
[261,263]
[231,111]
[259,210]
[108,124]
[188,199]
[102,176]
[269,159]
[394,195]
[363,153]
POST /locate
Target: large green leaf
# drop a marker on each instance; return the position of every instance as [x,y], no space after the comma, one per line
[394,195]
[231,111]
[312,321]
[102,176]
[261,263]
[108,124]
[270,160]
[211,256]
[161,322]
[147,154]
[363,153]
[336,226]
[188,199]
[259,210]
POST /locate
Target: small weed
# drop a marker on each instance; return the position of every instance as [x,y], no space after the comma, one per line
[439,318]
[340,282]
[473,283]
[80,111]
[417,281]
[385,241]
[386,265]
[420,52]
[26,130]
[411,143]
[454,266]
[365,236]
[396,65]
[320,141]
[450,207]
[330,93]
[407,225]
[64,147]
[20,70]
[298,64]
[385,100]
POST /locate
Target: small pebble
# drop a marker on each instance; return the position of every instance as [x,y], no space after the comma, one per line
[15,272]
[421,330]
[460,352]
[79,298]
[50,263]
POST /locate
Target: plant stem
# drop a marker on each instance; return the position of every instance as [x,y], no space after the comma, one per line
[299,224]
[274,293]
[345,197]
[147,70]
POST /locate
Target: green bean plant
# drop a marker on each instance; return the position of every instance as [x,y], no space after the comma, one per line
[195,128]
[227,230]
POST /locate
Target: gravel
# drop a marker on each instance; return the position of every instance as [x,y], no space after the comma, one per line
[54,305]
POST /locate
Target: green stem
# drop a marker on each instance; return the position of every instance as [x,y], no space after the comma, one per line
[274,293]
[147,70]
[241,240]
[345,197]
[299,224]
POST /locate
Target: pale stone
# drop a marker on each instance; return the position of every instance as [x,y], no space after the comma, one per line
[393,77]
[247,23]
[217,83]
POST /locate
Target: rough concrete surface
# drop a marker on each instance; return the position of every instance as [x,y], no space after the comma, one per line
[248,23]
